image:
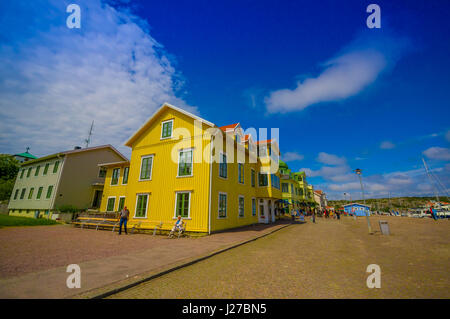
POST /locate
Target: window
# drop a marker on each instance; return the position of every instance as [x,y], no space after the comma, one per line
[49,191]
[22,194]
[223,166]
[241,206]
[241,173]
[292,189]
[110,204]
[285,188]
[37,170]
[55,167]
[125,175]
[102,172]
[39,193]
[46,168]
[121,203]
[30,194]
[166,131]
[21,173]
[185,163]
[16,194]
[146,168]
[301,192]
[29,171]
[253,178]
[263,180]
[182,204]
[141,206]
[222,205]
[253,207]
[115,176]
[275,181]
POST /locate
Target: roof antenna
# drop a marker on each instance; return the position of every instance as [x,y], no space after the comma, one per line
[88,140]
[28,148]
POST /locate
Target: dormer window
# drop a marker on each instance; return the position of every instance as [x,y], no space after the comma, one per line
[166,129]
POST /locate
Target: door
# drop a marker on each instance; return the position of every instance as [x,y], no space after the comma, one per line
[262,218]
[97,199]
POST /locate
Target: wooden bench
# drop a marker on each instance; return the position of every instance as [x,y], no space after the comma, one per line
[97,222]
[147,225]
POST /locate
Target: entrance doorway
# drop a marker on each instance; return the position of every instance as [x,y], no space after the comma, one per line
[97,199]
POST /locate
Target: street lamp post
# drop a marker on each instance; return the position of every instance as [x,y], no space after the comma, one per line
[359,172]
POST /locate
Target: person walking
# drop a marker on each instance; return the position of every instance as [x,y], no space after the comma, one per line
[124,214]
[293,214]
[338,215]
[313,216]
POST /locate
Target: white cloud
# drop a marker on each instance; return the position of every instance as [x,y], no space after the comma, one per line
[292,156]
[386,145]
[330,159]
[438,153]
[55,81]
[343,76]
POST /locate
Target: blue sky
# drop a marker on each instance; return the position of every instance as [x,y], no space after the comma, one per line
[343,96]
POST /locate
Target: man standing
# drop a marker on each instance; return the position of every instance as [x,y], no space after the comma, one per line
[124,214]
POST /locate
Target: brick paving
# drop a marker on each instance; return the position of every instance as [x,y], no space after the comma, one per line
[323,260]
[33,260]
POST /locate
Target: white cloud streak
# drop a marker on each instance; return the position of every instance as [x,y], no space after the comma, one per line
[55,81]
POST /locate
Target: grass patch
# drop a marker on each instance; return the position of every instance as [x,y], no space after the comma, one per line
[6,220]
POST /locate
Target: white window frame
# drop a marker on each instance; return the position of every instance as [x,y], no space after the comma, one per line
[239,197]
[118,202]
[118,177]
[218,205]
[146,207]
[107,200]
[192,165]
[256,207]
[243,174]
[223,153]
[43,187]
[256,177]
[128,177]
[175,206]
[151,168]
[171,132]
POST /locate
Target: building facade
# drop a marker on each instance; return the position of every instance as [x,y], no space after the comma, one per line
[216,178]
[66,178]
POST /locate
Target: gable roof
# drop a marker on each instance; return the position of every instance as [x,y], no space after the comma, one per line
[229,127]
[26,154]
[60,154]
[166,105]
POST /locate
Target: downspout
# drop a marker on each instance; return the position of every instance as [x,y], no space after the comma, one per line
[210,185]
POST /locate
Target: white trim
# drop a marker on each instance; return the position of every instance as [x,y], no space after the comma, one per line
[239,197]
[128,176]
[138,132]
[192,163]
[175,208]
[118,202]
[38,192]
[118,177]
[151,168]
[171,131]
[107,200]
[218,206]
[243,173]
[146,207]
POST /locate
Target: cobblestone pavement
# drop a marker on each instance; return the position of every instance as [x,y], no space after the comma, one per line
[33,260]
[324,260]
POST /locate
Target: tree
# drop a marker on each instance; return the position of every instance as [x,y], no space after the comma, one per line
[9,167]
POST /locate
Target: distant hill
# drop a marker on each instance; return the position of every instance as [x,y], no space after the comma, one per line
[396,203]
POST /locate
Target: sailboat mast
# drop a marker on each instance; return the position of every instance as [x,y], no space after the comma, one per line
[431,181]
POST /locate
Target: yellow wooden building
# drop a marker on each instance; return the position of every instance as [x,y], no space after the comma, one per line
[216,178]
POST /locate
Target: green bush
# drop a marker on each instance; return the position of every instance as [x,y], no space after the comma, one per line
[68,209]
[6,220]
